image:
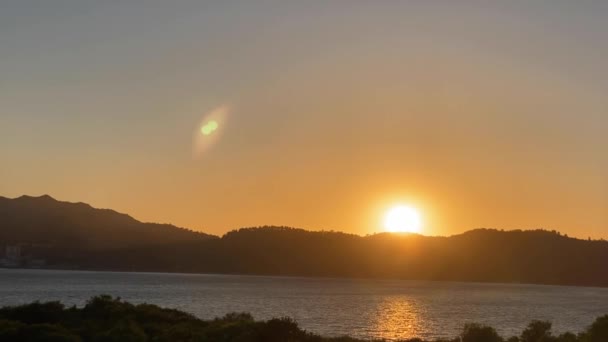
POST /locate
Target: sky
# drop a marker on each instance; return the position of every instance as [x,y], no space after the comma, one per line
[477,113]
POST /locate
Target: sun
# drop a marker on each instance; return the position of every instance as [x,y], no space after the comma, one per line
[402,219]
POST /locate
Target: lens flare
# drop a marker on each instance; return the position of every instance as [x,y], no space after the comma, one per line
[209,130]
[210,127]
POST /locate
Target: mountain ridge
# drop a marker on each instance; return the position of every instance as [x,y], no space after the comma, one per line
[78,236]
[35,219]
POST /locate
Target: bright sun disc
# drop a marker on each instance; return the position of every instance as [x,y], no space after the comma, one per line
[403,219]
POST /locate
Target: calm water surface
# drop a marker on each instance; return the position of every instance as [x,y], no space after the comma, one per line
[362,308]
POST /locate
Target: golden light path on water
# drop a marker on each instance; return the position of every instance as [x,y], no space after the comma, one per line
[398,317]
[209,130]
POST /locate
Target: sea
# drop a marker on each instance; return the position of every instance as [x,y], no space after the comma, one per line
[362,308]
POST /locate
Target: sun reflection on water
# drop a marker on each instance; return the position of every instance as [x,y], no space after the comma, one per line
[398,317]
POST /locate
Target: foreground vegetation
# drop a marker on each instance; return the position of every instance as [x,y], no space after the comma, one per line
[107,319]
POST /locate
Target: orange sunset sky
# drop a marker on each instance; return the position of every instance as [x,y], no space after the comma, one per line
[478,114]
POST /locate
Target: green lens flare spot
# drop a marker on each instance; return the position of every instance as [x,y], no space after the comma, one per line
[209,127]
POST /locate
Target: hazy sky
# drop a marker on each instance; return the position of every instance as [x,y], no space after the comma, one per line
[481,114]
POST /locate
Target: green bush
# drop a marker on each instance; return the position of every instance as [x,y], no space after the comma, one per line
[123,331]
[47,333]
[598,331]
[479,333]
[567,337]
[537,331]
[34,313]
[9,330]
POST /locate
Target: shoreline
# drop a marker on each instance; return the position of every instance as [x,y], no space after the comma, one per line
[114,271]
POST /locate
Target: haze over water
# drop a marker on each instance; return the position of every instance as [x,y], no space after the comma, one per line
[360,308]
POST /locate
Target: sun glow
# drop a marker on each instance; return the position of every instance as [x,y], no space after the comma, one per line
[403,219]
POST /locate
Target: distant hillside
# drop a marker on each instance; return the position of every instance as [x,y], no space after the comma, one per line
[484,255]
[79,236]
[46,221]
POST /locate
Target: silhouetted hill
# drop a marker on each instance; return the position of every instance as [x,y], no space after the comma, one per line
[539,257]
[46,221]
[122,243]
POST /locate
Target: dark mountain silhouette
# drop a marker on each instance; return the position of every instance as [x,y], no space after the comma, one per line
[121,243]
[46,221]
[483,255]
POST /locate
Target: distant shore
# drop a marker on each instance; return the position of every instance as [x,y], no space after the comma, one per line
[45,233]
[89,270]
